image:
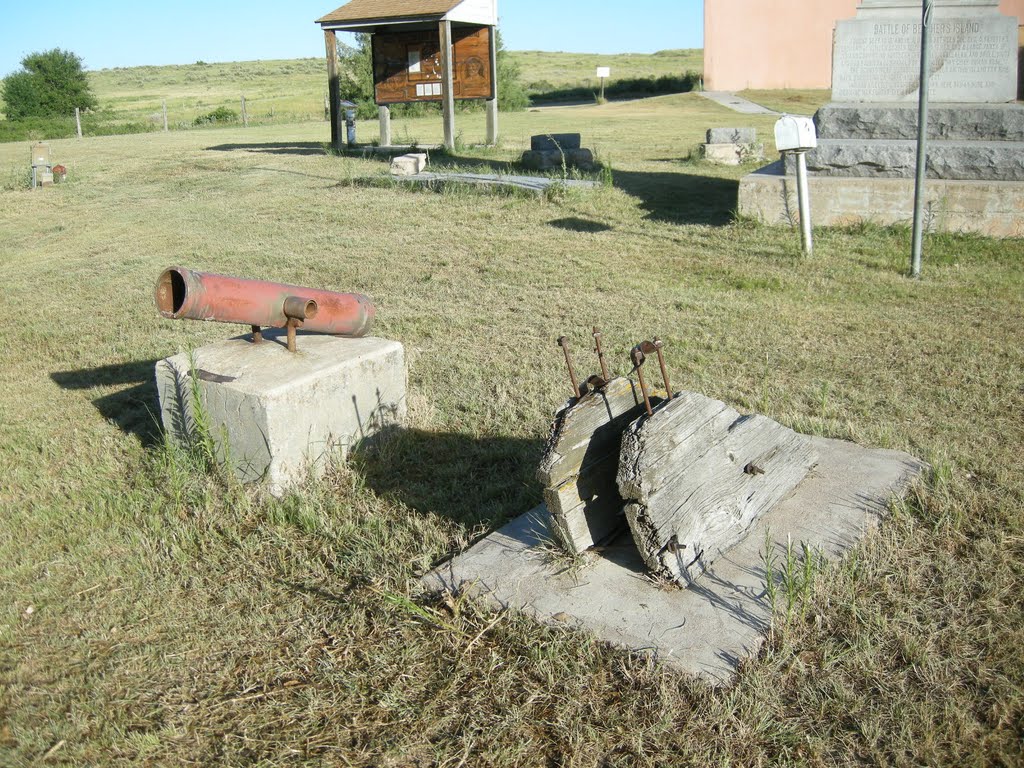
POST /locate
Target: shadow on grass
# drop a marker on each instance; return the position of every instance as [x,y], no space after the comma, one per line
[132,409]
[682,198]
[576,224]
[274,148]
[472,480]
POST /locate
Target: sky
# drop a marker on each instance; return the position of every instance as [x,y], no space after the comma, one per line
[113,33]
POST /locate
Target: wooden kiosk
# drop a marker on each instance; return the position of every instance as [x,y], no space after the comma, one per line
[423,50]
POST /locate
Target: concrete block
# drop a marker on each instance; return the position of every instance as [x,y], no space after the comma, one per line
[732,154]
[709,628]
[731,135]
[993,208]
[978,160]
[282,417]
[552,142]
[409,165]
[950,122]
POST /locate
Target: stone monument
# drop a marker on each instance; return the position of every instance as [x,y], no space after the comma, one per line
[867,134]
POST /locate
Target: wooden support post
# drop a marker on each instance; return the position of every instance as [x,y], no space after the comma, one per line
[331,43]
[245,115]
[384,113]
[492,104]
[164,106]
[78,121]
[447,89]
[492,122]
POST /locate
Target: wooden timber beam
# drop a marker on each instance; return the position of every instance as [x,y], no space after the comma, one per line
[492,104]
[333,88]
[447,88]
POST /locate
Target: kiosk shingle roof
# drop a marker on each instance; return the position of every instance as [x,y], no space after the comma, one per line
[372,10]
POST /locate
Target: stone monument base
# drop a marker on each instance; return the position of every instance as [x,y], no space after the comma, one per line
[994,208]
[278,416]
[897,159]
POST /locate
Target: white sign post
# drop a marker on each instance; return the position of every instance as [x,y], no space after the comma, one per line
[797,134]
[603,72]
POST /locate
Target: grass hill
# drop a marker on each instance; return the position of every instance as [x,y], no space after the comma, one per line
[293,90]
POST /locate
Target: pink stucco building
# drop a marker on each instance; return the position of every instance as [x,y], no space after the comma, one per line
[778,43]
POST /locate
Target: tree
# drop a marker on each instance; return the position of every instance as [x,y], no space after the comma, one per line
[511,92]
[50,84]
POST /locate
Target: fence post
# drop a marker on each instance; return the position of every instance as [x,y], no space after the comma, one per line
[245,117]
[165,114]
[78,121]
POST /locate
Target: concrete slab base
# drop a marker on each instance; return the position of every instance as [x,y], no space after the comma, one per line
[994,208]
[278,416]
[709,627]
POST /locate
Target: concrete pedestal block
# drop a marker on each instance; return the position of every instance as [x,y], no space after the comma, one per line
[282,417]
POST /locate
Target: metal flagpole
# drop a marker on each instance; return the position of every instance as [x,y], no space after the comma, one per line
[922,140]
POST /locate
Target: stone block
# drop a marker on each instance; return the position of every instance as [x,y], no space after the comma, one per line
[538,160]
[409,165]
[282,417]
[949,122]
[732,154]
[552,142]
[973,58]
[978,160]
[731,135]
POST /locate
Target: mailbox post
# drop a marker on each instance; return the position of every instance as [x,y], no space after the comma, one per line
[797,135]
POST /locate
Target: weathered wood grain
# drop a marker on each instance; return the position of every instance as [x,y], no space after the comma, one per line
[578,468]
[696,477]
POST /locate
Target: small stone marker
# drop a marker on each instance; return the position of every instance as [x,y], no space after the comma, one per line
[732,146]
[697,475]
[731,135]
[579,464]
[553,142]
[409,165]
[550,151]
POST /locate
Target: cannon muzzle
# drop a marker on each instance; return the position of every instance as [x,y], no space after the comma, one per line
[185,293]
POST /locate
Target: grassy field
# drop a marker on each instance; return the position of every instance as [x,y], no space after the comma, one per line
[157,614]
[545,70]
[797,102]
[282,90]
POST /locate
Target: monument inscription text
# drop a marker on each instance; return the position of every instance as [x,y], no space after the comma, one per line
[972,60]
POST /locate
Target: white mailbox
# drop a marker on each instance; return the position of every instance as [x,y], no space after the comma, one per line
[795,133]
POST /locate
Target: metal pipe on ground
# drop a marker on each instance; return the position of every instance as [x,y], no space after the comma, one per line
[183,293]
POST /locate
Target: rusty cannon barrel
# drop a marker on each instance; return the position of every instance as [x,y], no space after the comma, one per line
[185,293]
